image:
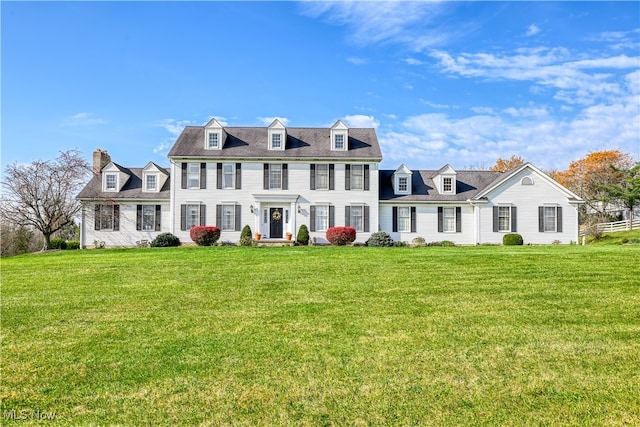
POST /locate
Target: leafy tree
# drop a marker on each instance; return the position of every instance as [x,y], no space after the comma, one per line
[627,190]
[588,177]
[42,194]
[503,165]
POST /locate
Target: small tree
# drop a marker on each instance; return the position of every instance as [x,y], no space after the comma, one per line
[41,195]
[341,236]
[303,235]
[627,190]
[204,235]
[246,237]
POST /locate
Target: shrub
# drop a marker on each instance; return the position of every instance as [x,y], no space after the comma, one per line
[341,236]
[512,239]
[380,239]
[418,241]
[303,235]
[204,235]
[73,244]
[165,240]
[58,244]
[246,236]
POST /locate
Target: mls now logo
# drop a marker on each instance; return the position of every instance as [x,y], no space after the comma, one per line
[27,414]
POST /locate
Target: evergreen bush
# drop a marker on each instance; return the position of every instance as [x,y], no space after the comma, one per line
[58,244]
[303,235]
[246,236]
[341,236]
[512,239]
[73,244]
[204,235]
[165,240]
[380,239]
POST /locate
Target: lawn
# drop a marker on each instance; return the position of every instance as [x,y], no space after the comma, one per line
[542,335]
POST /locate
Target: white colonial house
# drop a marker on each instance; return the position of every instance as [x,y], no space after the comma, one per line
[276,178]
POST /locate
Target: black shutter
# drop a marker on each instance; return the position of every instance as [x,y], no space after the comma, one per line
[158,216]
[458,219]
[514,219]
[541,219]
[312,218]
[366,219]
[495,219]
[219,216]
[440,219]
[332,216]
[285,177]
[183,217]
[184,175]
[238,176]
[395,220]
[203,175]
[139,217]
[116,217]
[96,221]
[238,217]
[413,219]
[347,216]
[366,177]
[559,219]
[203,214]
[332,177]
[265,180]
[219,176]
[312,177]
[347,177]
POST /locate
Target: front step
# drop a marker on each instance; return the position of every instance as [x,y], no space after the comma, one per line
[274,242]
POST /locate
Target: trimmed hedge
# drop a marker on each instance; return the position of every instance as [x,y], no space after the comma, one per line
[165,240]
[58,244]
[246,236]
[303,235]
[204,235]
[73,244]
[512,239]
[380,239]
[341,236]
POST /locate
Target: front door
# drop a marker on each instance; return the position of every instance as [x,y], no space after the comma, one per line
[275,223]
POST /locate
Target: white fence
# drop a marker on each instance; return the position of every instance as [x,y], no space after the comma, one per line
[612,227]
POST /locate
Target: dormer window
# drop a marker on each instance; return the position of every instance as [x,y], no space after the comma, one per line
[111,182]
[151,182]
[276,141]
[447,185]
[277,135]
[402,180]
[214,140]
[339,136]
[214,135]
[338,142]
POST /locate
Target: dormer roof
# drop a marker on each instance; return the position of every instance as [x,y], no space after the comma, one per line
[403,169]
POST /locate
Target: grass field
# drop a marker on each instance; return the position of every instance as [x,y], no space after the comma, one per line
[542,335]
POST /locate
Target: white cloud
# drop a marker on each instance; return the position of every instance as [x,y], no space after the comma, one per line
[83,119]
[532,30]
[174,126]
[268,120]
[163,148]
[413,61]
[361,121]
[356,61]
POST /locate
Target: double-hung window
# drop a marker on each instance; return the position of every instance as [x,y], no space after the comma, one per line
[148,217]
[356,219]
[228,218]
[357,177]
[192,216]
[276,141]
[275,175]
[228,174]
[447,185]
[338,142]
[111,181]
[404,219]
[107,217]
[449,219]
[322,177]
[193,175]
[322,217]
[214,140]
[403,184]
[550,219]
[151,182]
[504,218]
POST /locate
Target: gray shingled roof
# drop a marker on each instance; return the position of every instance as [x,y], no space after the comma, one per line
[303,143]
[132,188]
[468,184]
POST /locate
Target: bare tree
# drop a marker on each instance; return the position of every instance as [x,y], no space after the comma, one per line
[41,195]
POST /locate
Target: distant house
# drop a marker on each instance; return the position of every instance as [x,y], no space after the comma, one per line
[276,178]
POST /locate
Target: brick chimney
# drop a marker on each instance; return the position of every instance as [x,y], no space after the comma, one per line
[100,159]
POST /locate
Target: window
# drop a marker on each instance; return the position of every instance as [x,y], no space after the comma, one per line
[193,216]
[107,217]
[404,219]
[339,142]
[447,185]
[275,176]
[322,177]
[356,219]
[449,220]
[550,218]
[527,180]
[276,140]
[228,174]
[148,217]
[504,218]
[151,182]
[322,218]
[357,177]
[111,181]
[228,218]
[193,175]
[214,139]
[403,184]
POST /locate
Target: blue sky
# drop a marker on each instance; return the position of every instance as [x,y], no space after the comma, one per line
[443,82]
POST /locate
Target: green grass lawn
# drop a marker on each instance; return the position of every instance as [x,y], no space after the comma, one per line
[542,335]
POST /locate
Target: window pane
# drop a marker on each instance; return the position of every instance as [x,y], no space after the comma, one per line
[339,142]
[504,218]
[148,217]
[275,176]
[193,216]
[213,140]
[106,217]
[402,184]
[322,217]
[449,219]
[111,182]
[276,140]
[193,175]
[151,182]
[357,177]
[227,175]
[356,218]
[448,186]
[228,217]
[322,177]
[404,219]
[549,218]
